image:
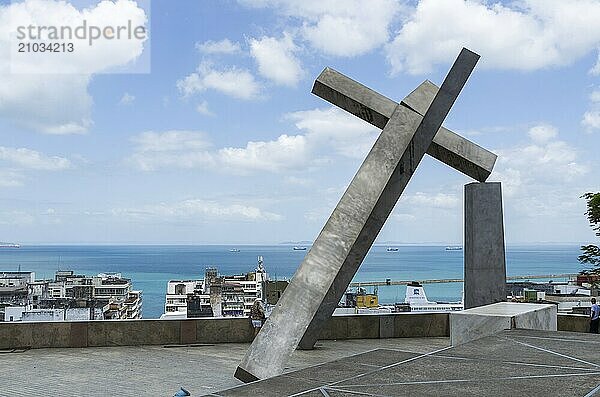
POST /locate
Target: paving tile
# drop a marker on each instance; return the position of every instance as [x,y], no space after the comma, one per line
[506,348]
[379,357]
[282,385]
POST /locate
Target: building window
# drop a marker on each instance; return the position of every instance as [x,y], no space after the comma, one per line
[180,289]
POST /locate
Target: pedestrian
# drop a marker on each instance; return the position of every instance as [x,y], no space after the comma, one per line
[257,314]
[595,317]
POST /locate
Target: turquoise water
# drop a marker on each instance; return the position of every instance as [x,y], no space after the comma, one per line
[150,267]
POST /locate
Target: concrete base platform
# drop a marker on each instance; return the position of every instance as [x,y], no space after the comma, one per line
[515,362]
[478,322]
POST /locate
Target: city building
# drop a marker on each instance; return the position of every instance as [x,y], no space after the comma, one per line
[68,296]
[221,295]
[14,287]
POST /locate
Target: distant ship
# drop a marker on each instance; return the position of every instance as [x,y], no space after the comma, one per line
[457,248]
[299,248]
[234,250]
[392,249]
[9,245]
[417,300]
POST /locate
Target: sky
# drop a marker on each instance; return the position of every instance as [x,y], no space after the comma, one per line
[206,132]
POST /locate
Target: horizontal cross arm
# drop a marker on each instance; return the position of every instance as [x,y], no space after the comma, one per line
[447,146]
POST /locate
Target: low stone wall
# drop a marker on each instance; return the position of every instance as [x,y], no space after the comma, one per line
[213,330]
[124,333]
[573,323]
[227,330]
[401,325]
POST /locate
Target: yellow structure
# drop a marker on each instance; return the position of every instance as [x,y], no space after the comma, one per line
[367,301]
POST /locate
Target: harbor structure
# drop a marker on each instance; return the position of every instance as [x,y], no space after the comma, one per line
[69,296]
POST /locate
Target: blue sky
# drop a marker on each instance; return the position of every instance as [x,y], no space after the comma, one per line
[222,141]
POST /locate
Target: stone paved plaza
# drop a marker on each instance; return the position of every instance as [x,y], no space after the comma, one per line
[512,363]
[157,370]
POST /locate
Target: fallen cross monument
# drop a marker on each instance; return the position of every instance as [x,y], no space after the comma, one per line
[410,129]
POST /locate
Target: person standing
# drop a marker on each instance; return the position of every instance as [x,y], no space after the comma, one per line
[594,317]
[257,314]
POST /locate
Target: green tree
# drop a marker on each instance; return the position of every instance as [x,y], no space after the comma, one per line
[591,253]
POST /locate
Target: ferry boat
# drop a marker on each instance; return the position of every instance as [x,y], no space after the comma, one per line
[234,250]
[299,248]
[392,249]
[358,301]
[417,300]
[9,245]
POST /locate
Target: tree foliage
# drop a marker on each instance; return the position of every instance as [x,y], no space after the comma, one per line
[591,253]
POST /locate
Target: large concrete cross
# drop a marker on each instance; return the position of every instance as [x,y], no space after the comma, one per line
[410,129]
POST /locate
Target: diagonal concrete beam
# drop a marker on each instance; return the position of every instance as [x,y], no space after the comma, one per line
[369,105]
[351,229]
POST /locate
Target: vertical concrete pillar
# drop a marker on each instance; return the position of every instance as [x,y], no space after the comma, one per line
[485,263]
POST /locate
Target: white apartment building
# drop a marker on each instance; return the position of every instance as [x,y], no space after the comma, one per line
[229,296]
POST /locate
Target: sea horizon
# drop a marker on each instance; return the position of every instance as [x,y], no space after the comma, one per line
[151,266]
[300,242]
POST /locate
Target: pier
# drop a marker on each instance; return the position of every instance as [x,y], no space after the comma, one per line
[456,280]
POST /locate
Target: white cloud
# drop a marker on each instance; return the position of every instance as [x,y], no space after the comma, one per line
[150,141]
[234,82]
[10,178]
[198,210]
[524,35]
[538,170]
[16,218]
[39,102]
[591,120]
[126,99]
[180,149]
[341,28]
[324,131]
[334,129]
[60,103]
[224,46]
[403,217]
[595,71]
[276,59]
[34,160]
[172,150]
[542,133]
[432,200]
[202,108]
[285,153]
[298,181]
[29,217]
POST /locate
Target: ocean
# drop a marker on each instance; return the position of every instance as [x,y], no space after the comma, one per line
[150,267]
